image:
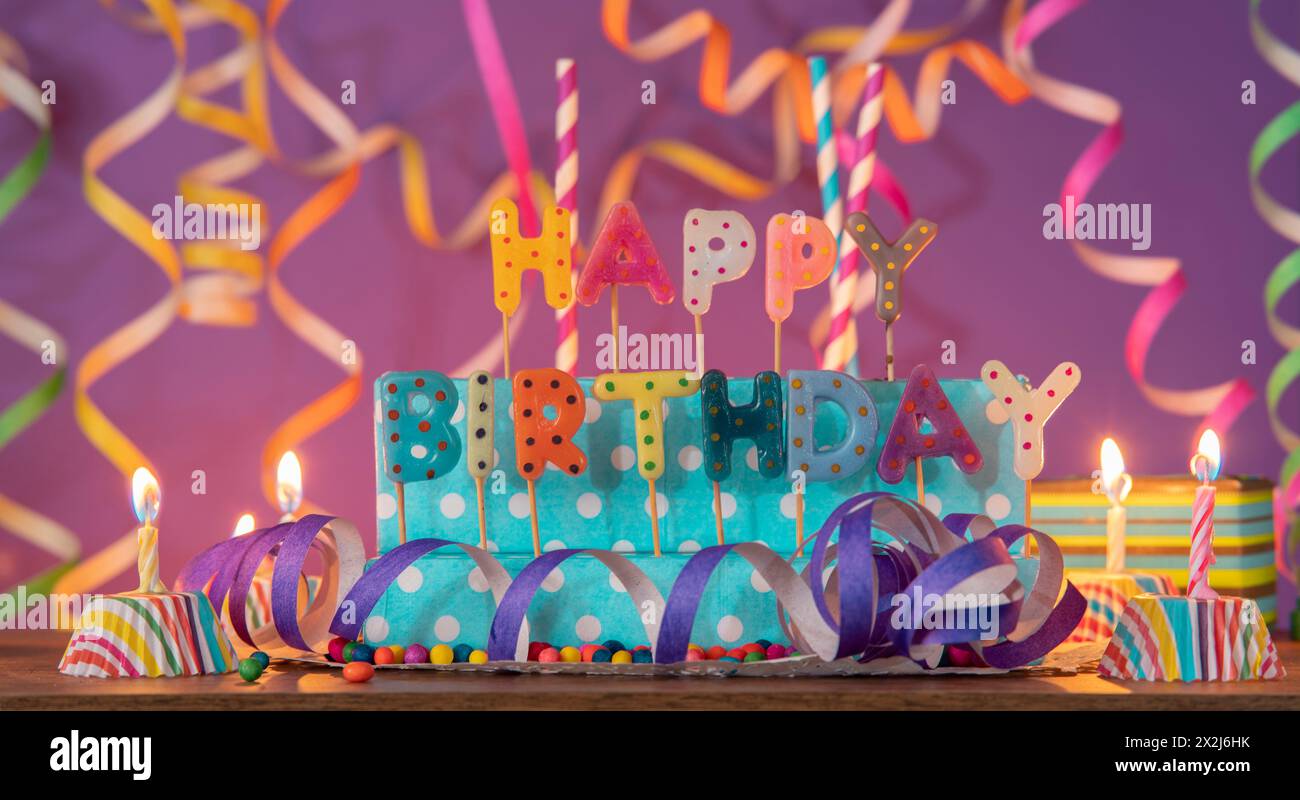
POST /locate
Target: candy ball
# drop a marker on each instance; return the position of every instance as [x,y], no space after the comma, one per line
[737,653]
[442,654]
[696,655]
[416,654]
[602,656]
[336,648]
[345,655]
[571,655]
[534,648]
[730,660]
[642,656]
[614,645]
[763,643]
[622,657]
[399,653]
[383,655]
[262,658]
[776,651]
[250,669]
[587,650]
[363,652]
[715,652]
[460,653]
[358,672]
[754,657]
[641,647]
[694,646]
[549,656]
[753,647]
[478,657]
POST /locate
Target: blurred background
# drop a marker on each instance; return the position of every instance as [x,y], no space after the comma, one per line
[206,398]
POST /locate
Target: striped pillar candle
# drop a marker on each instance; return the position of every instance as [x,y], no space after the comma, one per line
[1202,553]
[842,341]
[566,197]
[147,559]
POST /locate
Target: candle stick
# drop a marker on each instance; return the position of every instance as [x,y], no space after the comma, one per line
[842,339]
[420,443]
[1205,467]
[647,391]
[704,267]
[566,197]
[623,254]
[479,430]
[513,255]
[1115,483]
[539,440]
[288,485]
[890,261]
[146,499]
[789,269]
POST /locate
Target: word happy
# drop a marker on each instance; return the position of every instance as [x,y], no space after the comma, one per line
[75,753]
[238,222]
[1118,221]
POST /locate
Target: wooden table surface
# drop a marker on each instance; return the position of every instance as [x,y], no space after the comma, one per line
[29,680]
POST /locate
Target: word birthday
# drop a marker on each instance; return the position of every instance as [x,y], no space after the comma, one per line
[239,222]
[1108,221]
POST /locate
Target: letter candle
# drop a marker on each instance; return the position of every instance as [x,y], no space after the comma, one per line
[420,443]
[513,255]
[704,267]
[1115,483]
[539,438]
[145,501]
[479,434]
[760,420]
[800,255]
[647,391]
[1205,467]
[623,254]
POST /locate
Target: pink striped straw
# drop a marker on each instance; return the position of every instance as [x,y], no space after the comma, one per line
[842,341]
[566,197]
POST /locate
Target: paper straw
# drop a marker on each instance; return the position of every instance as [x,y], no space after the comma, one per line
[828,162]
[842,343]
[566,196]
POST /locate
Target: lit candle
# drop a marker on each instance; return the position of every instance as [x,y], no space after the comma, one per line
[288,485]
[1205,467]
[1115,483]
[246,524]
[145,500]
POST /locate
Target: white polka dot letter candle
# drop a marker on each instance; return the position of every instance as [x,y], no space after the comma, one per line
[703,266]
[1027,409]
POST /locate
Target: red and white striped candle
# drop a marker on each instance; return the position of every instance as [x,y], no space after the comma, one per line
[566,197]
[1205,467]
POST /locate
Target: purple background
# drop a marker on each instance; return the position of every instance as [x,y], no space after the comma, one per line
[207,398]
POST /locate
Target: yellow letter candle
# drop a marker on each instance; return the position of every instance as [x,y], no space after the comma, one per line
[647,391]
[512,254]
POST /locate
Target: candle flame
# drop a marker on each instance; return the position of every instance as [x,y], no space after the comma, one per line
[245,525]
[1113,480]
[288,482]
[146,497]
[1207,449]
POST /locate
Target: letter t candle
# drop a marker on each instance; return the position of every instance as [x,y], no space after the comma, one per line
[1205,466]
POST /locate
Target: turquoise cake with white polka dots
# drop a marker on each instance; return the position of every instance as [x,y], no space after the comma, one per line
[443,598]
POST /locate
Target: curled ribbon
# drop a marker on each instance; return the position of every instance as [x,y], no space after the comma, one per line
[848,615]
[26,523]
[1220,404]
[1285,277]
